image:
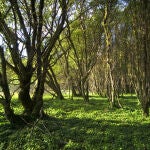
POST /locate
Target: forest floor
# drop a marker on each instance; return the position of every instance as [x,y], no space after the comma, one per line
[76,125]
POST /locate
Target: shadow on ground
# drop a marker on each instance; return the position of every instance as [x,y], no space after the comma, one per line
[74,133]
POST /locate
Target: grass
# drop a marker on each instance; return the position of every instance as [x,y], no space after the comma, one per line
[75,125]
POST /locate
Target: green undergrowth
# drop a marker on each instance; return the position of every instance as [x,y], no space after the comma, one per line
[76,125]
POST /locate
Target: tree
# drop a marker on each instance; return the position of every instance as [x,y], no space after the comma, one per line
[109,7]
[5,100]
[32,34]
[139,38]
[84,44]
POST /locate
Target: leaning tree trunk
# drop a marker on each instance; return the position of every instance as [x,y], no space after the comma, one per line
[53,83]
[6,100]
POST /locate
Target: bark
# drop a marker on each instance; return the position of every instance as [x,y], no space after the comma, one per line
[5,88]
[109,69]
[24,94]
[43,59]
[145,107]
[85,90]
[18,67]
[74,93]
[146,38]
[32,42]
[38,101]
[142,61]
[53,83]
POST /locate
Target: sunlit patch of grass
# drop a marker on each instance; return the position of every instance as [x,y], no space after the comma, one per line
[74,125]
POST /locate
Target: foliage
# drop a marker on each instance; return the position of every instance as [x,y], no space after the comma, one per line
[74,125]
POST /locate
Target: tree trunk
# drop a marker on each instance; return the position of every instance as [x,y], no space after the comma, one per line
[5,88]
[38,100]
[85,90]
[145,107]
[74,93]
[142,59]
[111,86]
[24,94]
[110,63]
[53,84]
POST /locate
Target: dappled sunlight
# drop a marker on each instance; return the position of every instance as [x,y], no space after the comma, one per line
[74,124]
